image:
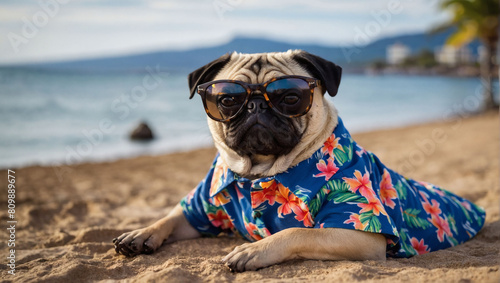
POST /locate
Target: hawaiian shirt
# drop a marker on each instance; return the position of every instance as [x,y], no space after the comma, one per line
[340,186]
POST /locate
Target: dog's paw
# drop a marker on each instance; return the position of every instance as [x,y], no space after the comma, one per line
[142,241]
[253,256]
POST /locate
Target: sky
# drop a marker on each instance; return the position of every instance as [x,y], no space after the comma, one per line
[54,30]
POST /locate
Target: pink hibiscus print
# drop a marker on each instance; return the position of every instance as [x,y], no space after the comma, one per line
[255,232]
[268,193]
[374,206]
[220,219]
[442,225]
[419,246]
[432,209]
[330,144]
[327,170]
[387,190]
[361,183]
[354,219]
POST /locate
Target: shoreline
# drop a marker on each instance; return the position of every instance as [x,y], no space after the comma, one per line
[67,215]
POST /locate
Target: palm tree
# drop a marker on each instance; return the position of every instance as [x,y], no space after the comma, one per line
[476,19]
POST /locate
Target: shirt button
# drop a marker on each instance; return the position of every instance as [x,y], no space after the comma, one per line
[256,214]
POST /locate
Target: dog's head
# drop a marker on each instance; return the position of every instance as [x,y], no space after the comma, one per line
[258,136]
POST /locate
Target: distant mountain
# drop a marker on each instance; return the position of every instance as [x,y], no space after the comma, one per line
[351,58]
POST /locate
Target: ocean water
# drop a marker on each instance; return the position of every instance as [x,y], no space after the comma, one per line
[53,118]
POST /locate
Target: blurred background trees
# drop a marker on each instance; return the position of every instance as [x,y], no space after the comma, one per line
[476,19]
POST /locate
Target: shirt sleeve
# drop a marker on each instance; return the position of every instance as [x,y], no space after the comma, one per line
[195,207]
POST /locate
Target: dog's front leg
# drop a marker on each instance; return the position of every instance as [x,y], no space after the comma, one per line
[307,243]
[171,228]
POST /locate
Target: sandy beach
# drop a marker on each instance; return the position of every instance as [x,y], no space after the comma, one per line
[67,216]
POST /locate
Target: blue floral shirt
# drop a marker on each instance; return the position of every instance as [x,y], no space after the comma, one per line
[340,186]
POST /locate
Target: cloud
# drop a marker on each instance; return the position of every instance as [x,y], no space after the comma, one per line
[92,27]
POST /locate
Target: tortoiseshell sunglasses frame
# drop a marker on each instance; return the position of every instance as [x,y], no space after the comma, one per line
[252,88]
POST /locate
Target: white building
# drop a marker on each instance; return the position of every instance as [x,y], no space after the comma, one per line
[397,53]
[452,56]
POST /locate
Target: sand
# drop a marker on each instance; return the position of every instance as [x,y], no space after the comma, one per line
[67,216]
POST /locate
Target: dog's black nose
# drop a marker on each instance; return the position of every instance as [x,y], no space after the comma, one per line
[257,105]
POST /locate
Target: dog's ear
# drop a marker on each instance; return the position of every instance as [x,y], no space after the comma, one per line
[206,73]
[326,71]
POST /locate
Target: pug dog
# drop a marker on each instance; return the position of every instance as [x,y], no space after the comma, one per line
[289,177]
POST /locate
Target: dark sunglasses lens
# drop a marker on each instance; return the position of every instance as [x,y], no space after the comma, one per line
[224,100]
[290,96]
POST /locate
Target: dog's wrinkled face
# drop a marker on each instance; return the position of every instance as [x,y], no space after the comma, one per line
[259,131]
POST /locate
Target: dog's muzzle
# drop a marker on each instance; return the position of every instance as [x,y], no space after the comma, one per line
[259,130]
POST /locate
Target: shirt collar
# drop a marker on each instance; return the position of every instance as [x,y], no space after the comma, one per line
[296,178]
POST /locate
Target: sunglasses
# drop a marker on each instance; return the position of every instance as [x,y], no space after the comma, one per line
[289,96]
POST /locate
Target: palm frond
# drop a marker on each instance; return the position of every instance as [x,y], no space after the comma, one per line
[473,19]
[466,34]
